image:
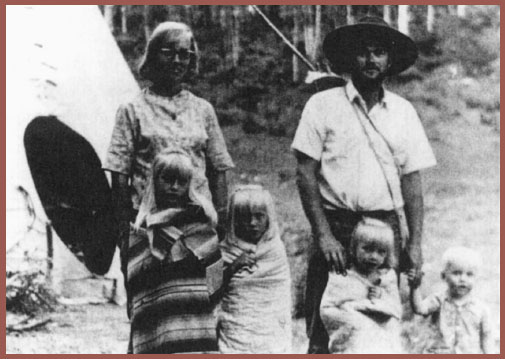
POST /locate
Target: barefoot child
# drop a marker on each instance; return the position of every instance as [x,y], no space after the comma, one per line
[174,264]
[361,311]
[255,313]
[460,321]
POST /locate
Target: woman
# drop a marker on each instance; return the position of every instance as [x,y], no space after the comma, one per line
[165,116]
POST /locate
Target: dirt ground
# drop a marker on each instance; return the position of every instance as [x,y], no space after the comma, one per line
[462,199]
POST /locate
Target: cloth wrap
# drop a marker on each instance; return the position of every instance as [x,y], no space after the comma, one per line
[174,266]
[372,326]
[255,313]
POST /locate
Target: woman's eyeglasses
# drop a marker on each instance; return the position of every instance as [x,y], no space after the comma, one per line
[184,54]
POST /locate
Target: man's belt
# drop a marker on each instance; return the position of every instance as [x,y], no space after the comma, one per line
[355,216]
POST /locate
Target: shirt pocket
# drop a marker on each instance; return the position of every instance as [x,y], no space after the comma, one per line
[337,145]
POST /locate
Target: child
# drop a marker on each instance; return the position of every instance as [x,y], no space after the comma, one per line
[174,263]
[255,313]
[361,311]
[461,321]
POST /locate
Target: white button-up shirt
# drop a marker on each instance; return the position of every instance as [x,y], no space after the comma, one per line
[351,176]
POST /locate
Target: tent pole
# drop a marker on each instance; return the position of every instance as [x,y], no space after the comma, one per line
[286,41]
[50,252]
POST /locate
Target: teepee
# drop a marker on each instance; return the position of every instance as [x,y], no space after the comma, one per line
[61,61]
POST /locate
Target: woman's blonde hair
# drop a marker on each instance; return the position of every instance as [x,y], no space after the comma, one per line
[251,197]
[180,162]
[148,63]
[372,230]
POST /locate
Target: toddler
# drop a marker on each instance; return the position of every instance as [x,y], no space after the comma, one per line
[255,313]
[361,311]
[460,321]
[174,263]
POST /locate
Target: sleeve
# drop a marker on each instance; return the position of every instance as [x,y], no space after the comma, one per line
[217,153]
[119,157]
[431,304]
[419,154]
[309,136]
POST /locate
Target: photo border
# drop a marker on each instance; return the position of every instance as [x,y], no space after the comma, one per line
[198,2]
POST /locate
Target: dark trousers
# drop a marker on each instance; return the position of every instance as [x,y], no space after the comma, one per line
[342,223]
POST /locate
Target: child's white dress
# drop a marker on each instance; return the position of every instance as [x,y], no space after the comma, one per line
[373,326]
[255,313]
[456,328]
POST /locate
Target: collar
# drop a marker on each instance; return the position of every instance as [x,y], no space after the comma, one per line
[180,95]
[353,95]
[469,299]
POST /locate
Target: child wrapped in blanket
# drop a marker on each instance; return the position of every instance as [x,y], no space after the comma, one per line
[174,263]
[255,313]
[361,311]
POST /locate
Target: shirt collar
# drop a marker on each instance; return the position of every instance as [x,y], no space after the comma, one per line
[353,94]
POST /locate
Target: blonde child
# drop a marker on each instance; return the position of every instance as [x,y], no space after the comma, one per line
[361,311]
[255,313]
[174,263]
[460,321]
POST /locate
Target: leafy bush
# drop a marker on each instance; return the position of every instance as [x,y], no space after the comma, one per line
[473,41]
[27,292]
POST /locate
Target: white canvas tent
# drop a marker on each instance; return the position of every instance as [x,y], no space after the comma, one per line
[61,60]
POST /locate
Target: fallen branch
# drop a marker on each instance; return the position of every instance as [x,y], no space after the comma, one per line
[27,325]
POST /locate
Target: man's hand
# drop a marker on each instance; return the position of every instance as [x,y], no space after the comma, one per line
[415,254]
[415,278]
[333,252]
[412,192]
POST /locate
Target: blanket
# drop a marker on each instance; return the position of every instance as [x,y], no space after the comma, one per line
[356,324]
[255,312]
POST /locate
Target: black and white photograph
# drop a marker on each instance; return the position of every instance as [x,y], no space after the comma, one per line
[252,179]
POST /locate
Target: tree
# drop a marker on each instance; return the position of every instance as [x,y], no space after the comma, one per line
[388,17]
[108,13]
[297,29]
[350,16]
[124,19]
[430,18]
[147,29]
[235,34]
[403,19]
[317,31]
[461,10]
[312,30]
[308,30]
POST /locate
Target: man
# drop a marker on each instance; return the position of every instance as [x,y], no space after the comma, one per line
[359,149]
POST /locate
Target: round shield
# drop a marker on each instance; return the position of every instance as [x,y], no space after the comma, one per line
[74,191]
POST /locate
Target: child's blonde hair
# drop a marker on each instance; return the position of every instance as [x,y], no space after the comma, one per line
[462,256]
[180,162]
[251,197]
[375,231]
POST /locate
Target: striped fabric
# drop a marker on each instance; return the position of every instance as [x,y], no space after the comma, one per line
[172,311]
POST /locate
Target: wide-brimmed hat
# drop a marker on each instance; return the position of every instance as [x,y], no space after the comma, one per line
[340,44]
